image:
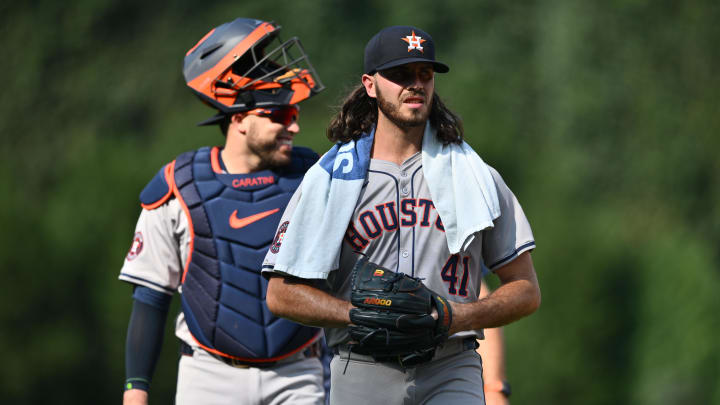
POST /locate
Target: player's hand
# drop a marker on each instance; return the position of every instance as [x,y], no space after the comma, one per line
[135,397]
[496,398]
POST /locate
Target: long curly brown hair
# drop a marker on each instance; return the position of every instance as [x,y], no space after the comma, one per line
[359,113]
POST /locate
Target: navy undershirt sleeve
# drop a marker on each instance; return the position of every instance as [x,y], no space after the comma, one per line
[144,336]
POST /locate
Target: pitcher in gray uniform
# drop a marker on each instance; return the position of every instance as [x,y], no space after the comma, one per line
[402,188]
[208,218]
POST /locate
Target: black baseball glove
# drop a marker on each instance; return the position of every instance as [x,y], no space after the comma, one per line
[393,321]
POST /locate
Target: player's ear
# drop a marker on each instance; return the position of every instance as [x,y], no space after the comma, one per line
[369,83]
[238,123]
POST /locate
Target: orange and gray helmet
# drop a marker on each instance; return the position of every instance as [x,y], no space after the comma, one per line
[234,69]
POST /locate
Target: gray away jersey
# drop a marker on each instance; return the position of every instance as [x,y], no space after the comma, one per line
[396,225]
[158,255]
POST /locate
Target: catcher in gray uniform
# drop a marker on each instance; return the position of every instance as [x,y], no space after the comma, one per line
[384,241]
[208,218]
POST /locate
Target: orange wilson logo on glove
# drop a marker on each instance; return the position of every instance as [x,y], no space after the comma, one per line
[378,301]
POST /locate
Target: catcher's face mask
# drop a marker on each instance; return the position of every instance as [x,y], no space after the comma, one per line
[243,65]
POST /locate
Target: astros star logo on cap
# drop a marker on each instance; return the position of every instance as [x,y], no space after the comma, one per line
[414,42]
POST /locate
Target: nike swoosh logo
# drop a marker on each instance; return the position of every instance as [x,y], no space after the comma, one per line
[237,223]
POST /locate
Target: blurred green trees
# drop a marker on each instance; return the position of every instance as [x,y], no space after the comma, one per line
[602,117]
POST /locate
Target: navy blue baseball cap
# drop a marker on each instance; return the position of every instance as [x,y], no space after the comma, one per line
[399,45]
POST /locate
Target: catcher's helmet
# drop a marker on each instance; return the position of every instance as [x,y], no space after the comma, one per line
[234,69]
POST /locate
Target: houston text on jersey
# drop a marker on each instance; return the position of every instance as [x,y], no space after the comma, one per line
[372,223]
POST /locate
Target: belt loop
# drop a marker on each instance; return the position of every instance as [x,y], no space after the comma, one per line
[313,350]
[185,349]
[470,343]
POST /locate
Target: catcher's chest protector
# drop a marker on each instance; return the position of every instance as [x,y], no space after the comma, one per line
[233,220]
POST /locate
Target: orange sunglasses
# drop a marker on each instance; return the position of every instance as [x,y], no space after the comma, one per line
[284,115]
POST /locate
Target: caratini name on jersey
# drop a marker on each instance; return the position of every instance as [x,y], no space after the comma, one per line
[253,181]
